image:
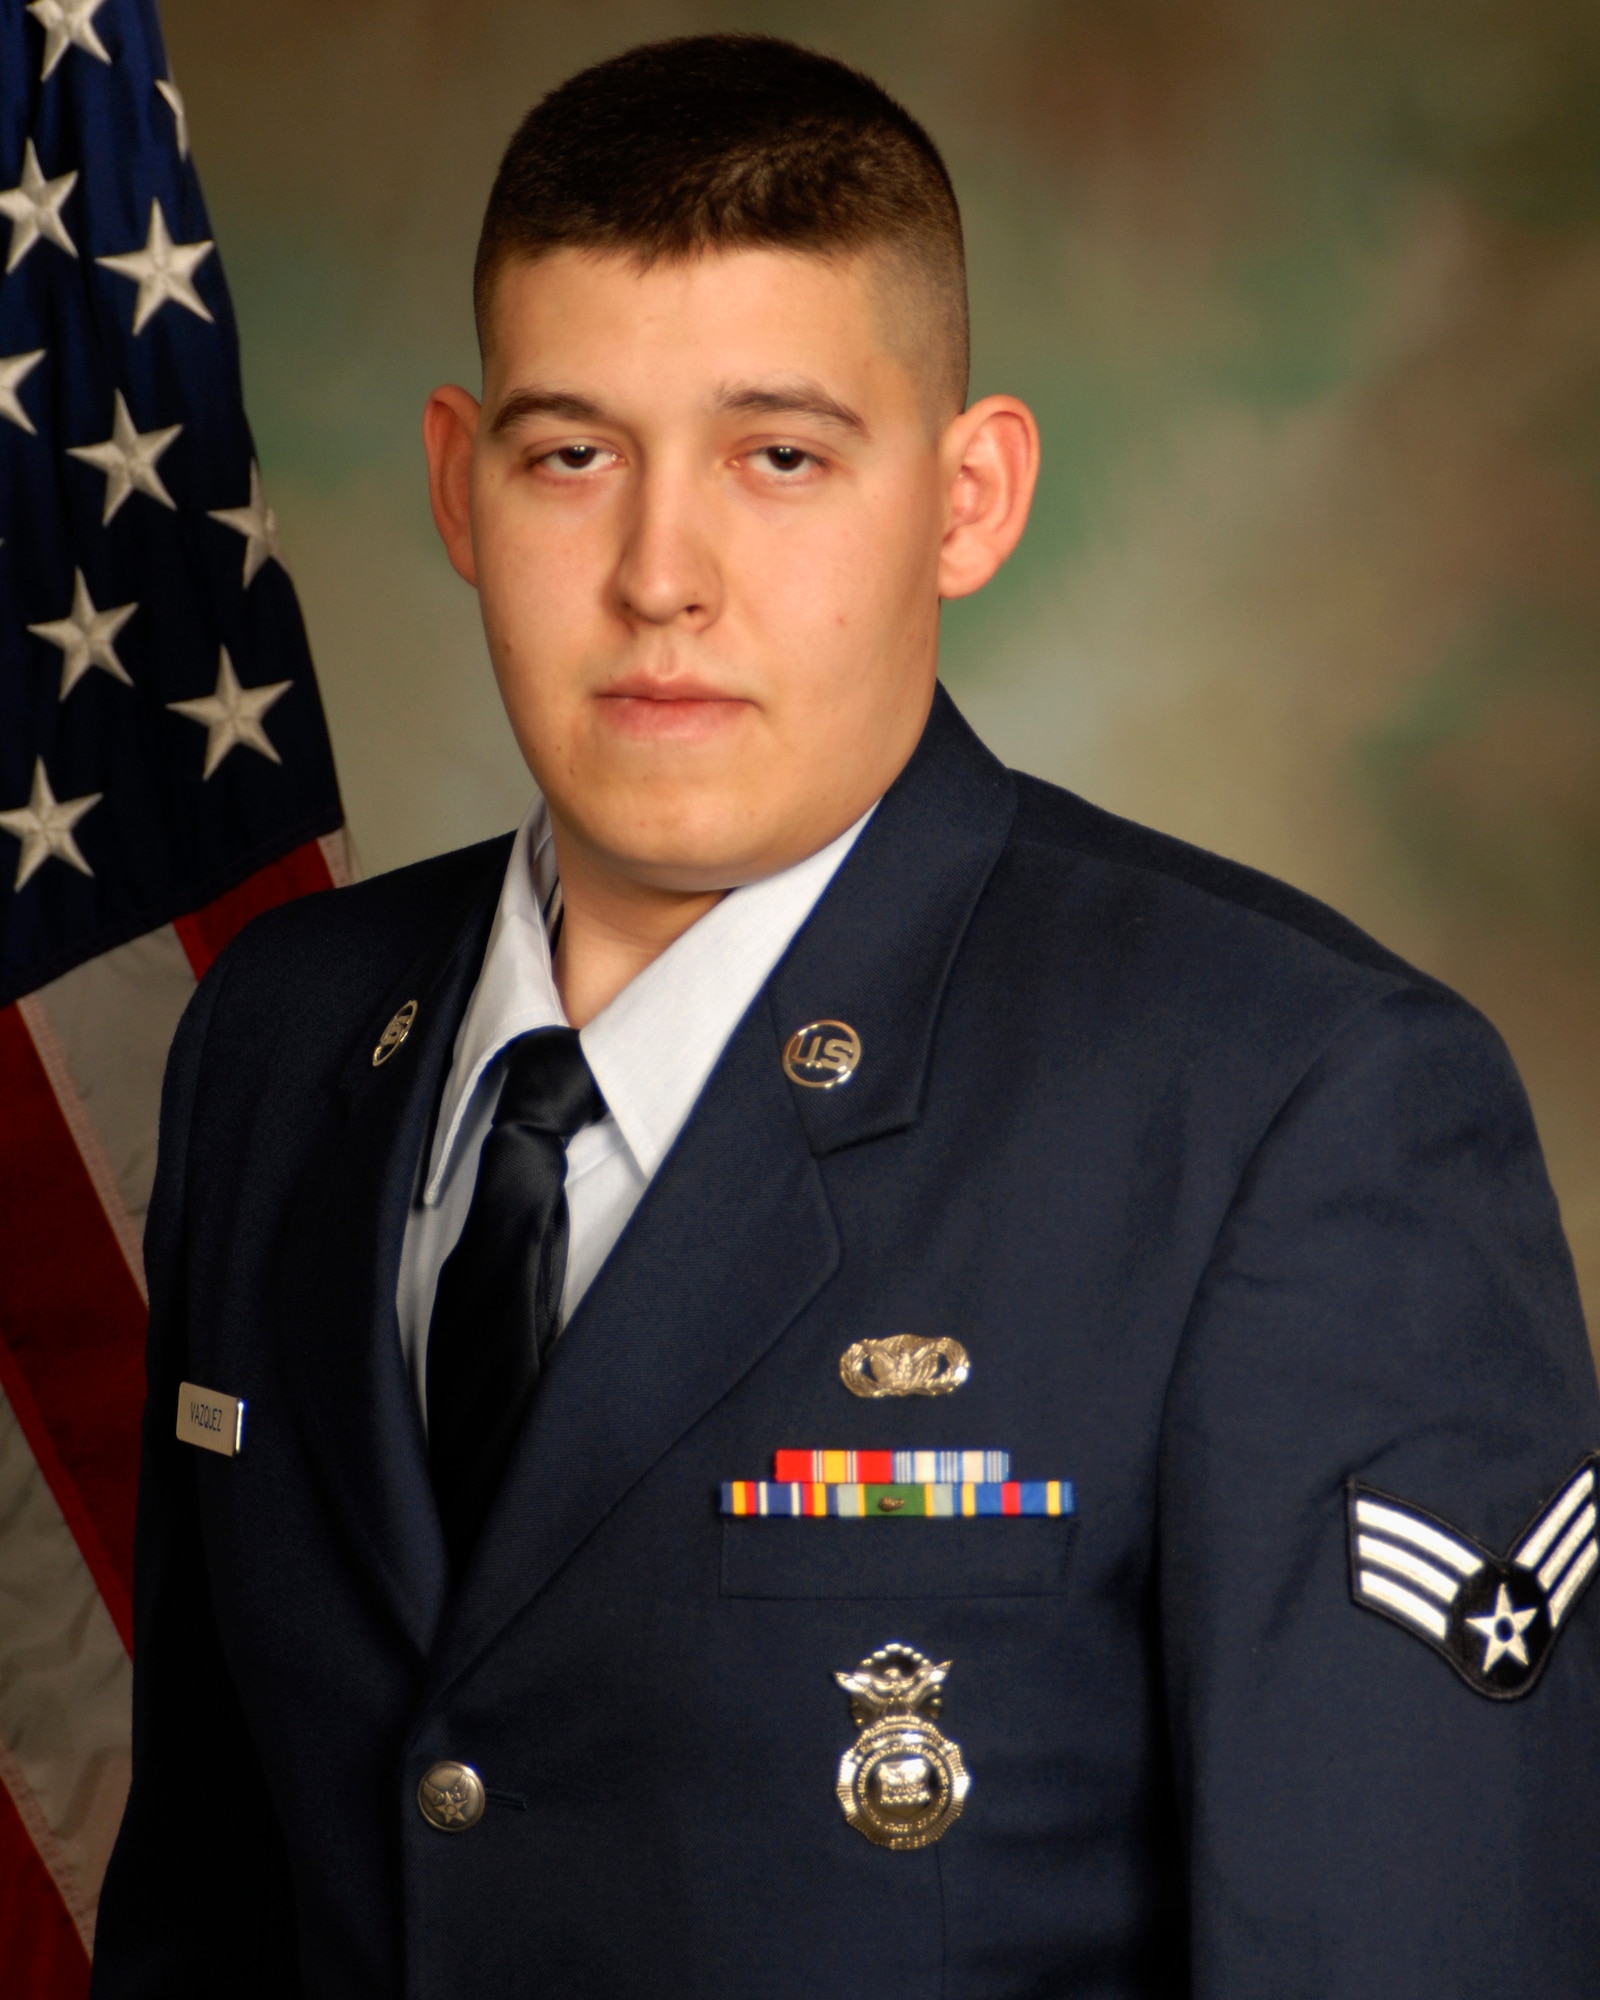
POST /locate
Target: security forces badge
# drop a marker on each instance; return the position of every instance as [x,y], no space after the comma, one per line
[902,1782]
[1494,1618]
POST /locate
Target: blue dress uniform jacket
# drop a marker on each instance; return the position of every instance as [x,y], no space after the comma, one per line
[1229,1207]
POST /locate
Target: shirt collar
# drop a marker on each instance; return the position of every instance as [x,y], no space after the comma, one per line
[652,1049]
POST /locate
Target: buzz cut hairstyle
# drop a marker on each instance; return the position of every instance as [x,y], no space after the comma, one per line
[735,141]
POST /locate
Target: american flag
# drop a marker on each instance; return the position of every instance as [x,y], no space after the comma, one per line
[165,774]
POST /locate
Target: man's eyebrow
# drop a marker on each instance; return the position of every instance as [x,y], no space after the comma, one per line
[522,404]
[798,398]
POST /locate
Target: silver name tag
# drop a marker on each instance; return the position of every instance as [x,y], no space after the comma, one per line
[209,1419]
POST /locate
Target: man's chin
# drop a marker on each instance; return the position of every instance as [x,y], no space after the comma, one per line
[696,849]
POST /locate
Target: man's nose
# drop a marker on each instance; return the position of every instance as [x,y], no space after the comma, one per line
[667,570]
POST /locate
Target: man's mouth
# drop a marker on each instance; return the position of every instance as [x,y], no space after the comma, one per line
[681,706]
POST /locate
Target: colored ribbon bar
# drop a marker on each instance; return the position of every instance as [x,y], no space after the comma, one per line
[929,1500]
[891,1468]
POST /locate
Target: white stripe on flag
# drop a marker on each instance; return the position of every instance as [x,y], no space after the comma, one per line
[113,1020]
[339,853]
[65,1683]
[80,1907]
[96,1161]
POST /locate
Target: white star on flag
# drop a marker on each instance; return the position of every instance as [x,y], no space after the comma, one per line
[67,23]
[259,526]
[44,826]
[128,460]
[87,637]
[174,96]
[232,715]
[14,371]
[34,206]
[162,270]
[1502,1630]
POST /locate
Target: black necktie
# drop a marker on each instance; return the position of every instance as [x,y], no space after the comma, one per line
[498,1306]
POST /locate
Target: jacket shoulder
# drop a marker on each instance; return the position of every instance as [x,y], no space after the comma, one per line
[1195,887]
[368,925]
[401,900]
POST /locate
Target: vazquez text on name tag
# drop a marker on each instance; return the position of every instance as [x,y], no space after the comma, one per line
[210,1419]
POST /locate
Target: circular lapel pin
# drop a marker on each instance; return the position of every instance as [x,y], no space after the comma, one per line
[396,1032]
[822,1055]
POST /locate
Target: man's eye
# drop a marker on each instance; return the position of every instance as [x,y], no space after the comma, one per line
[573,458]
[786,457]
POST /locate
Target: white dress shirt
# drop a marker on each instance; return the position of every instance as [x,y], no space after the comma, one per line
[688,1000]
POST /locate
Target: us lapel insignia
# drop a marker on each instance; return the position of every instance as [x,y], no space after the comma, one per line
[822,1055]
[1494,1618]
[904,1365]
[902,1782]
[393,1035]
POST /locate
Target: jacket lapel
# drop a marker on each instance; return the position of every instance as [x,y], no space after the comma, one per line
[345,1371]
[735,1237]
[879,946]
[731,1241]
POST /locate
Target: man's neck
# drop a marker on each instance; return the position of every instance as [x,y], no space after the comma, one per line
[612,928]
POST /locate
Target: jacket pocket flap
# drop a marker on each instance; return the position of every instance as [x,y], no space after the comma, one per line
[955,1558]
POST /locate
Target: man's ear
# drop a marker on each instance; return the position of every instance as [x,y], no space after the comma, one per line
[449,424]
[991,458]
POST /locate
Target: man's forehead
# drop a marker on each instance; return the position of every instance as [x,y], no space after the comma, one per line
[589,337]
[776,310]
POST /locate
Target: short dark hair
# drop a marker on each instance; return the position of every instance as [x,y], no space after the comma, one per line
[716,142]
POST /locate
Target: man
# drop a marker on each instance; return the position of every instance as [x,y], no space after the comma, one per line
[800,1082]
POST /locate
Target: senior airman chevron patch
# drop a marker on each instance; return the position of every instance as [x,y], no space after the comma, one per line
[1494,1618]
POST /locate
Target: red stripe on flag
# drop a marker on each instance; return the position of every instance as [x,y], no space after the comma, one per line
[204,933]
[71,1321]
[40,1950]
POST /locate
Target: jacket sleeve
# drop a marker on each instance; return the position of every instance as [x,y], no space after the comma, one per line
[197,1897]
[1390,1302]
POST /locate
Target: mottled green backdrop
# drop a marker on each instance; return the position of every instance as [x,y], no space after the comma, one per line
[1307,296]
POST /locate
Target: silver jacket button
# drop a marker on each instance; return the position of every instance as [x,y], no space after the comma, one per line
[451,1797]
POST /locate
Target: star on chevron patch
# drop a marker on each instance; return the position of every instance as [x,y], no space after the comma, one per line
[1494,1618]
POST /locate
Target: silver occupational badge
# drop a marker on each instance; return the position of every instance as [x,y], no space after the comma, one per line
[905,1364]
[901,1783]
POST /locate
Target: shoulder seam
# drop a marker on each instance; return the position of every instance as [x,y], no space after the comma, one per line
[1400,979]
